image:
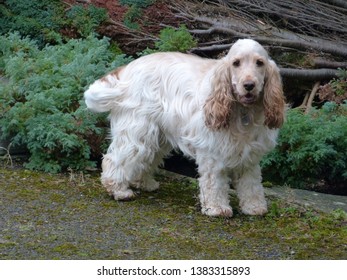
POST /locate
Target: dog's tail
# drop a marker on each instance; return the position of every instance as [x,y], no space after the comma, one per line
[104,93]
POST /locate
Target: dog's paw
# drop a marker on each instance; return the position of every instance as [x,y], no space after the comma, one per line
[123,195]
[259,208]
[119,191]
[223,211]
[149,185]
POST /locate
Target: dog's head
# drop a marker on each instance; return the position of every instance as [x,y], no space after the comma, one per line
[248,62]
[246,76]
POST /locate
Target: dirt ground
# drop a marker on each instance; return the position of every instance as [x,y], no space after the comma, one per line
[70,216]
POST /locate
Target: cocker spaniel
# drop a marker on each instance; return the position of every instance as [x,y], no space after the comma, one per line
[223,113]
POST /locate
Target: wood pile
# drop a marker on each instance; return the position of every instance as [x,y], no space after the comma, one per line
[308,39]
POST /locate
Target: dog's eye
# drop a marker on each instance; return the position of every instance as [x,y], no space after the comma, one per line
[236,63]
[259,62]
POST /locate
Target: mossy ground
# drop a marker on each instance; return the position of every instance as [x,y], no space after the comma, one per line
[70,216]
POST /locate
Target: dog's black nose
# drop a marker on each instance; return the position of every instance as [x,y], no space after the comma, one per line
[249,85]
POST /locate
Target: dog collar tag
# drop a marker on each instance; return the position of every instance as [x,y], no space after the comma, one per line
[245,118]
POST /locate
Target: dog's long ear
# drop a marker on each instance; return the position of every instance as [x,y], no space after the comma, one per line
[218,105]
[274,100]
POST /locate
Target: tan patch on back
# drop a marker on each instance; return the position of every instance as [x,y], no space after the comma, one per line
[115,73]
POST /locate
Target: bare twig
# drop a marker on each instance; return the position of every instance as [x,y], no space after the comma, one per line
[76,178]
[7,155]
[304,102]
[311,97]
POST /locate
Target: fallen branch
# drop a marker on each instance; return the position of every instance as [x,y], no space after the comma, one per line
[213,48]
[304,102]
[323,63]
[137,35]
[309,74]
[311,97]
[340,3]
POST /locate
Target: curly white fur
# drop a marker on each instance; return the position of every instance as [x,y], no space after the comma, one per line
[223,113]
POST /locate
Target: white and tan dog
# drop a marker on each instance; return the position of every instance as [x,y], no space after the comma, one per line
[223,113]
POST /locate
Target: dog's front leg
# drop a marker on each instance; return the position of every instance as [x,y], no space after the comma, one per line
[214,190]
[247,182]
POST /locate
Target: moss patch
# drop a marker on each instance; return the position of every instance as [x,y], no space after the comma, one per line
[66,216]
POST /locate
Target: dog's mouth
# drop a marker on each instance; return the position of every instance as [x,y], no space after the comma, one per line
[248,99]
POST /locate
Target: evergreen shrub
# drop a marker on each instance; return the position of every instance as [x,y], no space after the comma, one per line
[311,150]
[173,40]
[42,104]
[138,3]
[39,19]
[131,16]
[134,12]
[86,20]
[45,20]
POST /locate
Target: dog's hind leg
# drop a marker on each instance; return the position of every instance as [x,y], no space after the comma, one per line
[132,157]
[113,179]
[147,181]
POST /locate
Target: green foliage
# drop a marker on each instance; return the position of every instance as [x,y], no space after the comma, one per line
[171,39]
[86,20]
[311,148]
[175,40]
[134,12]
[38,19]
[44,20]
[41,104]
[14,44]
[292,58]
[339,85]
[138,3]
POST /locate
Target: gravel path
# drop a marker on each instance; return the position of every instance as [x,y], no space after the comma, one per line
[71,217]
